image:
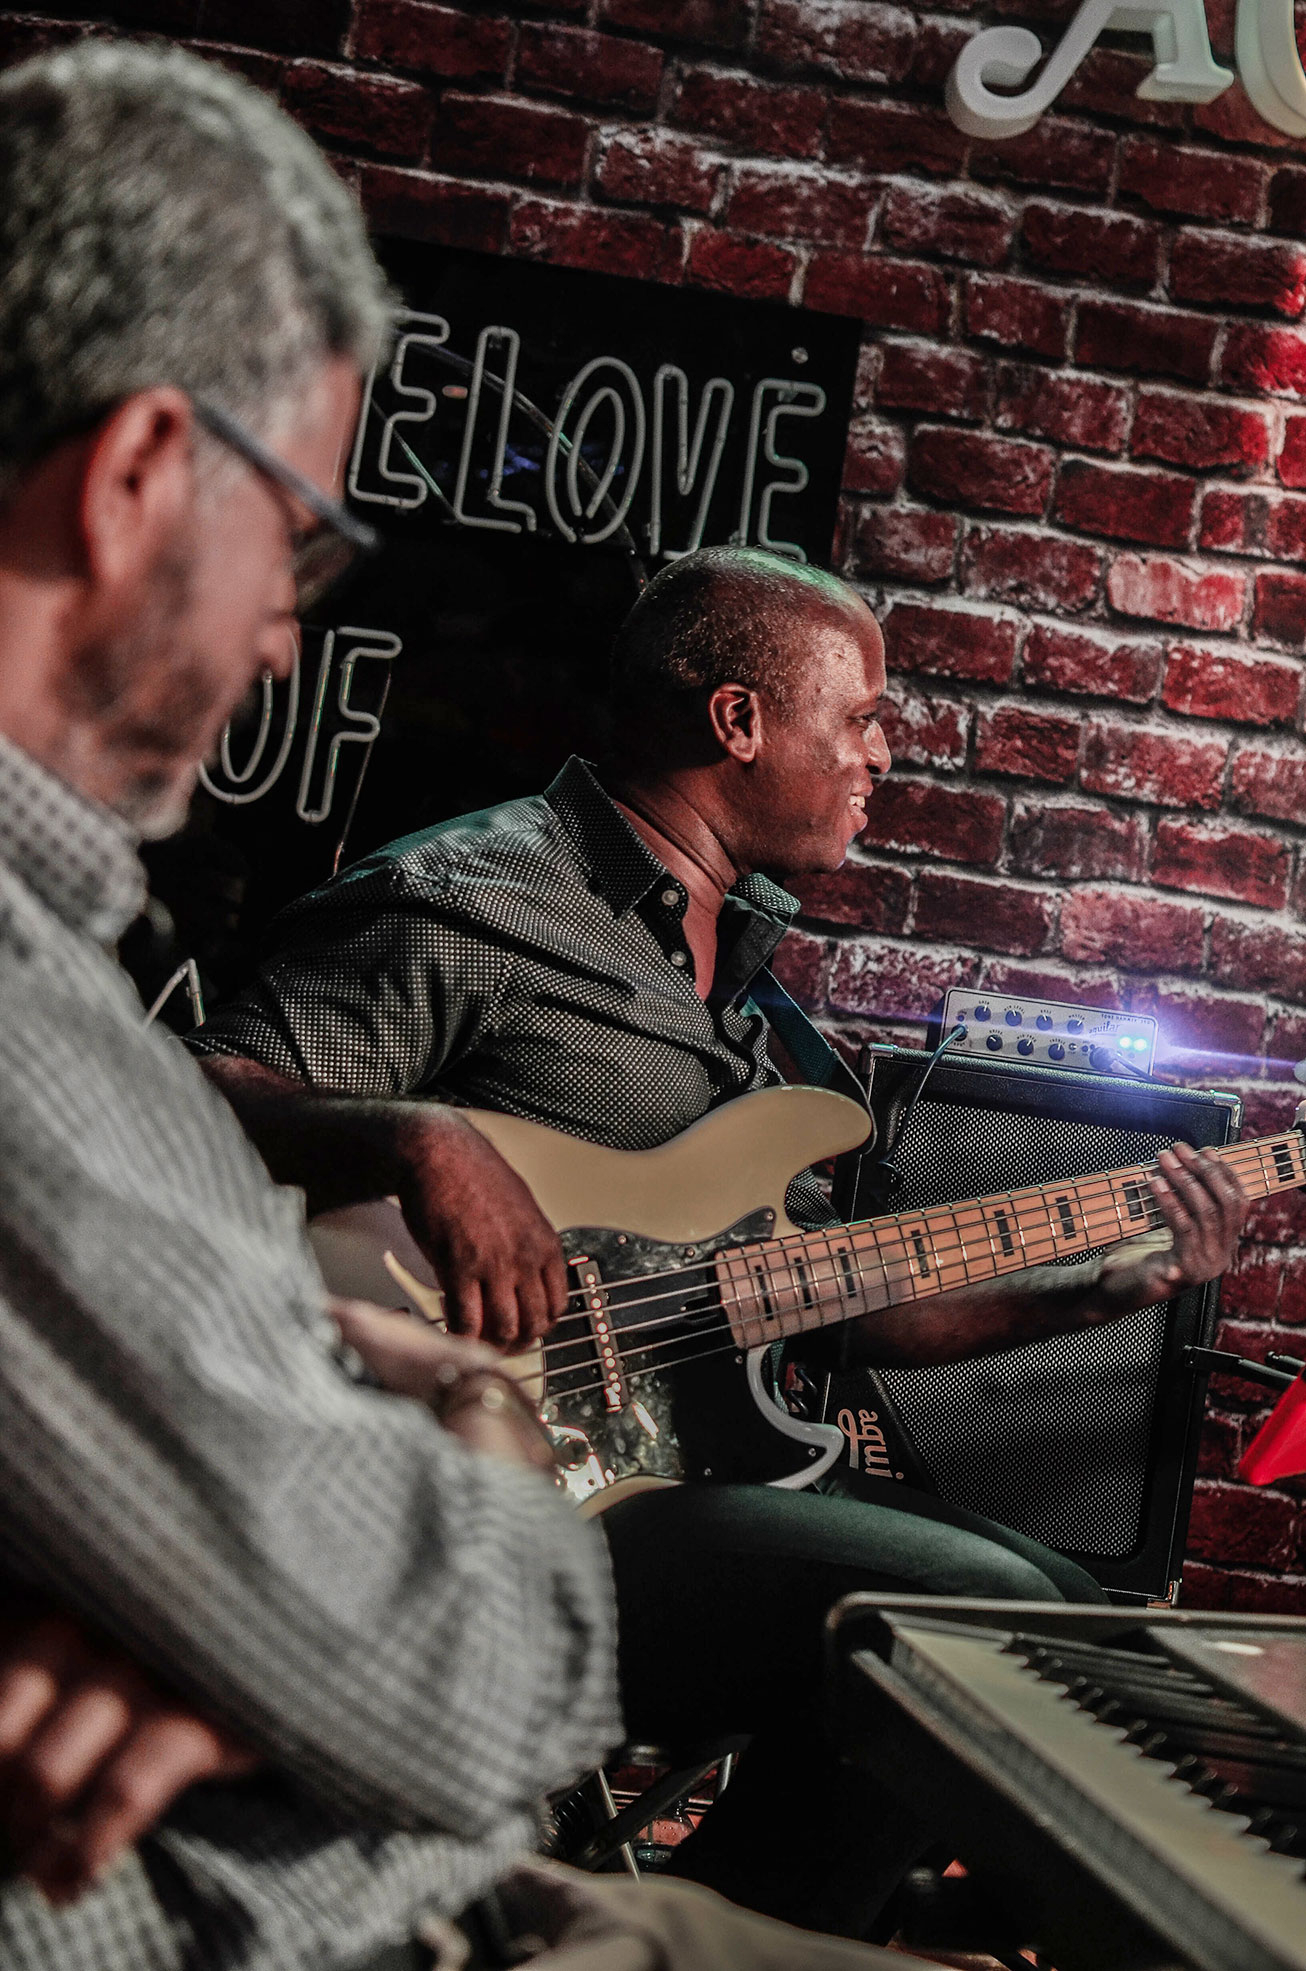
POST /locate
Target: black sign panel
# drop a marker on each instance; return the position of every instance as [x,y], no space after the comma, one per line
[536,444]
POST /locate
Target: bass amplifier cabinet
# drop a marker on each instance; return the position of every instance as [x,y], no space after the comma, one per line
[1087,1441]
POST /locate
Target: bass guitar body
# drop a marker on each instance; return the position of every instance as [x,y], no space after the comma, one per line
[642,1382]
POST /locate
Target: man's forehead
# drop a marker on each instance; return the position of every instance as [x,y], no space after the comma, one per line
[844,646]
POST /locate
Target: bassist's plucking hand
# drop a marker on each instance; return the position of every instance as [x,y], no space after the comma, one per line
[1203,1206]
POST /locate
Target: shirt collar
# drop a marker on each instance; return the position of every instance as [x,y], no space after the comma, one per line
[78,857]
[624,869]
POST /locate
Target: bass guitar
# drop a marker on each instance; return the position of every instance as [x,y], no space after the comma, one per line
[684,1270]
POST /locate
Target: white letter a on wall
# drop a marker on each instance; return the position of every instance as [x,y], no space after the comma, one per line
[1270,65]
[1185,69]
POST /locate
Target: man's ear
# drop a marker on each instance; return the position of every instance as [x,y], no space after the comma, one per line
[736,716]
[137,485]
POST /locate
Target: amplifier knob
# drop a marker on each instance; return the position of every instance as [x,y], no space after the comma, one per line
[983,1013]
[1056,1052]
[1074,1025]
[1014,1016]
[1024,1045]
[994,1042]
[1043,1022]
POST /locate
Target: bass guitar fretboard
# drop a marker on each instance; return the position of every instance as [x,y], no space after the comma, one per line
[788,1286]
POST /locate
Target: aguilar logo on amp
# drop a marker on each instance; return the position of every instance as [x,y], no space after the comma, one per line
[868,1448]
[1185,71]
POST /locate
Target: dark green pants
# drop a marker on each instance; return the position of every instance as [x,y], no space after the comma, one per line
[721,1595]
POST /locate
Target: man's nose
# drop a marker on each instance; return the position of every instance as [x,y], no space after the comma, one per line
[878,757]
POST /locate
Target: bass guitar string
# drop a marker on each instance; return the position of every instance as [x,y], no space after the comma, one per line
[1243,1155]
[891,1271]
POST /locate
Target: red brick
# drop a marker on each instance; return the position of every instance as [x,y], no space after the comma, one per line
[1270,360]
[802,963]
[740,110]
[923,817]
[900,294]
[1285,528]
[606,242]
[995,916]
[1107,83]
[414,206]
[507,138]
[442,41]
[1216,1031]
[657,167]
[1199,432]
[1252,1594]
[872,896]
[1220,859]
[1232,117]
[1125,335]
[1125,503]
[1222,269]
[1280,1219]
[717,23]
[796,203]
[1177,178]
[1048,980]
[1280,611]
[1017,314]
[876,457]
[1140,933]
[911,544]
[1226,684]
[976,470]
[1292,458]
[1234,1523]
[1287,201]
[894,136]
[1234,521]
[1269,782]
[1292,1304]
[859,43]
[755,270]
[938,44]
[1077,842]
[919,376]
[924,732]
[1259,956]
[1220,1447]
[894,981]
[1094,662]
[1035,745]
[1056,154]
[959,224]
[372,113]
[1251,1286]
[1165,591]
[951,641]
[1082,412]
[599,68]
[1103,247]
[1034,569]
[1148,763]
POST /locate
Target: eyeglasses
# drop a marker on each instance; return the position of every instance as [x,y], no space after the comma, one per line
[323,557]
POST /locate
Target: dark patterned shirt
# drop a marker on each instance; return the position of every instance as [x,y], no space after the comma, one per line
[529,959]
[419,1640]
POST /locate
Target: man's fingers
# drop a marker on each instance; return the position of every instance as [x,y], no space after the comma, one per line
[556,1285]
[33,1676]
[533,1310]
[464,1303]
[503,1323]
[83,1730]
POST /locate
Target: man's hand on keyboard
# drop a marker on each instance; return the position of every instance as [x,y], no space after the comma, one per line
[91,1752]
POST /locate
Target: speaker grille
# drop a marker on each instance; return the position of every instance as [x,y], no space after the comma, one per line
[1052,1439]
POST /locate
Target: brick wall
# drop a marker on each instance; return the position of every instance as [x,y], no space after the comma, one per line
[1075,486]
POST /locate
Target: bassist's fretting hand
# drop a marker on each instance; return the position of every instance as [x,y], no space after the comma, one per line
[1204,1207]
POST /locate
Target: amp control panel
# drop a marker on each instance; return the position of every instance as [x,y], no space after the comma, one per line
[1048,1033]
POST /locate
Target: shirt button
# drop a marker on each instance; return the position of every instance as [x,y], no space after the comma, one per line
[679,958]
[670,898]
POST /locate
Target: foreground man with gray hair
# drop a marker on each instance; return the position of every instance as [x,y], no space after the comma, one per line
[324,1533]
